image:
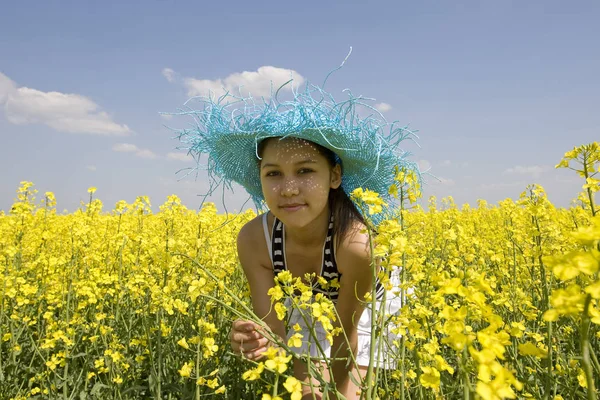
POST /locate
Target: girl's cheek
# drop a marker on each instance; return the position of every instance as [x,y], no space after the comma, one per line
[274,189]
[316,187]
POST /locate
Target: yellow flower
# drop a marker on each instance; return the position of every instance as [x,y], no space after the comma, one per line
[517,329]
[209,347]
[276,363]
[253,374]
[594,290]
[430,377]
[294,387]
[212,383]
[183,343]
[280,310]
[494,390]
[266,396]
[530,349]
[295,340]
[165,330]
[220,390]
[187,369]
[581,378]
[276,293]
[284,277]
[572,264]
[442,365]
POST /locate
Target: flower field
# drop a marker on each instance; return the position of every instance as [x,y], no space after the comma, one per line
[500,301]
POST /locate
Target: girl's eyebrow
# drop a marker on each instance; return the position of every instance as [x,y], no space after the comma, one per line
[307,161]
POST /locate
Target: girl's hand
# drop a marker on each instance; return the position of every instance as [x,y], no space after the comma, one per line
[247,340]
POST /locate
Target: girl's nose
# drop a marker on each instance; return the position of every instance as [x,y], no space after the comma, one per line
[290,188]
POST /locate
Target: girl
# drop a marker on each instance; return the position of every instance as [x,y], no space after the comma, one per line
[300,182]
[302,158]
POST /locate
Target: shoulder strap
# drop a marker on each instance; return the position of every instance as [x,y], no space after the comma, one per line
[330,270]
[265,223]
[278,246]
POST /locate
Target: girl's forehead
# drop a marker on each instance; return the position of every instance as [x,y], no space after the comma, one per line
[291,148]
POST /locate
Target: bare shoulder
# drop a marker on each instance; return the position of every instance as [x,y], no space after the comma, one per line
[354,249]
[251,244]
[248,235]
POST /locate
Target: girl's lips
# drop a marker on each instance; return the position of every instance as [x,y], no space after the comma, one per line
[292,207]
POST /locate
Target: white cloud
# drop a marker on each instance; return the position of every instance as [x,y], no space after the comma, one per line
[145,153]
[166,116]
[91,167]
[448,163]
[533,171]
[169,74]
[63,112]
[179,157]
[125,147]
[132,148]
[258,83]
[383,107]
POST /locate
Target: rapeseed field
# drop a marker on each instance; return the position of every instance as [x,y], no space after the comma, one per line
[499,301]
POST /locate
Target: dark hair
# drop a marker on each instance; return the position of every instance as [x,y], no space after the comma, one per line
[343,209]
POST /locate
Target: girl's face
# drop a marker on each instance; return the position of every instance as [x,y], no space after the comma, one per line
[296,178]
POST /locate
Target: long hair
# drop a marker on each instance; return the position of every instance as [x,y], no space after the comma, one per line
[343,209]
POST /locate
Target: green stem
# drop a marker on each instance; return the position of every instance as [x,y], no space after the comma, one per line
[2,317]
[198,351]
[594,359]
[66,371]
[591,197]
[402,339]
[275,386]
[465,376]
[418,368]
[373,342]
[586,174]
[549,364]
[159,364]
[585,350]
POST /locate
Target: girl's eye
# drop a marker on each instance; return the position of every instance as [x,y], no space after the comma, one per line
[272,173]
[305,171]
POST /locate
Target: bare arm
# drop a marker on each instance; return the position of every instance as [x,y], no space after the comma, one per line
[260,278]
[354,262]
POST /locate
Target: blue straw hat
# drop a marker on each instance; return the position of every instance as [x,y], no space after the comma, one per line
[228,130]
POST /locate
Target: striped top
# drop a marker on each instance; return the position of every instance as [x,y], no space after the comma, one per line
[329,271]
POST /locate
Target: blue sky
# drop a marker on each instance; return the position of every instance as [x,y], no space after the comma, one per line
[498,90]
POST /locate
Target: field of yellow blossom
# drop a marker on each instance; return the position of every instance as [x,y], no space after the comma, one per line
[500,301]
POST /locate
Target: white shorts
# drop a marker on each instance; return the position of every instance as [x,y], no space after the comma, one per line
[320,347]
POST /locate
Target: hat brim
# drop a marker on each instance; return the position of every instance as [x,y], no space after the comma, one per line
[234,157]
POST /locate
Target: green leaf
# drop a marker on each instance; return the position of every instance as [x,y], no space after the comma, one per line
[97,388]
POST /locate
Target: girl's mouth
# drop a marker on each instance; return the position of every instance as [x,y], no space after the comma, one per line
[292,207]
